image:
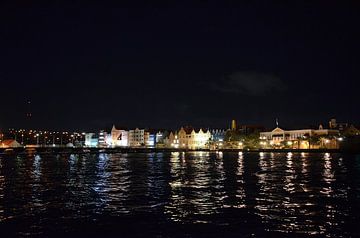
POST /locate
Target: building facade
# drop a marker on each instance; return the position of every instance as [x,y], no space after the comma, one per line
[91,140]
[218,135]
[137,137]
[300,139]
[189,138]
[119,138]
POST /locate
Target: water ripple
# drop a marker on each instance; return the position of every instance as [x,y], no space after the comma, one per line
[228,194]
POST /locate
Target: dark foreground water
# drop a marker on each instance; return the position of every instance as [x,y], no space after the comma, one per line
[195,194]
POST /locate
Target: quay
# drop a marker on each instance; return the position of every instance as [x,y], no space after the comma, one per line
[84,150]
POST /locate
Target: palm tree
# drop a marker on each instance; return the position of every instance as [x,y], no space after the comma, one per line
[314,140]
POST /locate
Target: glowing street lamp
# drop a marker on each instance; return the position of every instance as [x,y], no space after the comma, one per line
[37,139]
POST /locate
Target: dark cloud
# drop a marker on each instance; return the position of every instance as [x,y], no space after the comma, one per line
[250,83]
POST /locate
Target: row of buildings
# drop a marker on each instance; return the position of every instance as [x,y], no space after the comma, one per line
[186,137]
[234,137]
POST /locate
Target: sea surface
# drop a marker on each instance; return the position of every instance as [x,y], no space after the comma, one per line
[192,194]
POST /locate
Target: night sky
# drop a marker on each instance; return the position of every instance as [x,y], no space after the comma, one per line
[87,66]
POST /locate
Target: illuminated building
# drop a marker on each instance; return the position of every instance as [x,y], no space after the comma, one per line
[9,144]
[91,140]
[189,138]
[137,137]
[160,137]
[119,137]
[298,138]
[218,135]
[173,140]
[102,139]
[150,139]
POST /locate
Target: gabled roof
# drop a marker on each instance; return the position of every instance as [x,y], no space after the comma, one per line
[189,129]
[10,143]
[119,128]
[277,129]
[7,142]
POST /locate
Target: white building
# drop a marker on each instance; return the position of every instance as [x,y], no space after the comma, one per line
[119,137]
[103,139]
[137,137]
[298,137]
[91,140]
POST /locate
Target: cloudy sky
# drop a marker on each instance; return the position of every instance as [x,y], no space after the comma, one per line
[88,66]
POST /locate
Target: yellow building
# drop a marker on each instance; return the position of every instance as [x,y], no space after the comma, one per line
[189,138]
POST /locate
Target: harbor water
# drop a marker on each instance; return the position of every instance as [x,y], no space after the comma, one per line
[178,194]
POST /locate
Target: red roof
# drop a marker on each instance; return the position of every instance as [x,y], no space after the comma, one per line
[7,142]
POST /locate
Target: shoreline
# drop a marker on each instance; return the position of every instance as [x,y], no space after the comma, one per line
[82,150]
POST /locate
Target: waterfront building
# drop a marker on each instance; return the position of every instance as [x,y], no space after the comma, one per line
[119,137]
[173,140]
[218,134]
[91,140]
[217,138]
[10,144]
[190,138]
[137,137]
[161,138]
[103,139]
[300,139]
[150,139]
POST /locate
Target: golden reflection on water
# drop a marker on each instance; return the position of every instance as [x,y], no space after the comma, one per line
[327,176]
[2,185]
[196,187]
[240,191]
[293,206]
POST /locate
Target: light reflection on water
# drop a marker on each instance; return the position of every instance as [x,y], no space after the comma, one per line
[250,193]
[196,187]
[2,185]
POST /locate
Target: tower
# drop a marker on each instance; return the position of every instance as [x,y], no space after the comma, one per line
[233,125]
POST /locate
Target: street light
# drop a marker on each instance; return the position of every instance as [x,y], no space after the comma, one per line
[37,139]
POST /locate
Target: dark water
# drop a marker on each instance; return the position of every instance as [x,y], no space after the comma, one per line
[196,194]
